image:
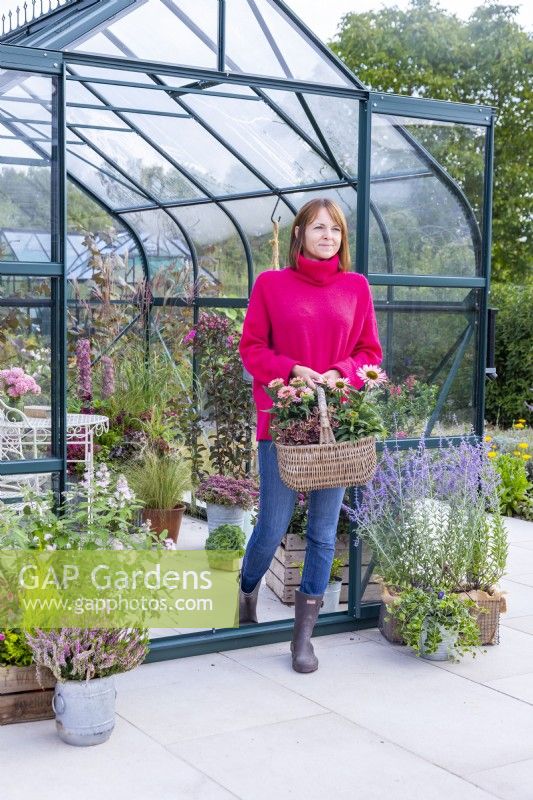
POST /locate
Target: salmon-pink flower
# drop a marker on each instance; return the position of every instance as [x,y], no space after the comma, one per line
[372,376]
[276,383]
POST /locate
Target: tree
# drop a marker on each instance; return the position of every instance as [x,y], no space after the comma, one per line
[427,52]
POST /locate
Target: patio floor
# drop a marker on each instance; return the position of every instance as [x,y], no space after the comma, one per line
[373,720]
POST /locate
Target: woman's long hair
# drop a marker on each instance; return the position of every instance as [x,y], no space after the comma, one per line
[305,216]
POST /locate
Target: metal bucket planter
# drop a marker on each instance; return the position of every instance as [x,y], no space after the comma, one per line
[223,515]
[85,711]
[446,647]
[331,598]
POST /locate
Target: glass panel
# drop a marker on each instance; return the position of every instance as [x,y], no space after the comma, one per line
[154,31]
[428,335]
[25,361]
[220,251]
[13,487]
[262,137]
[166,249]
[25,172]
[271,30]
[132,154]
[255,216]
[428,221]
[102,178]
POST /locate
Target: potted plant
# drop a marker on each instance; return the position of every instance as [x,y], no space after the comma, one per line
[332,593]
[84,663]
[159,481]
[23,697]
[225,547]
[438,625]
[227,499]
[432,518]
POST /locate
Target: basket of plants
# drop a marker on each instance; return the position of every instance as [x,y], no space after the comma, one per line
[326,437]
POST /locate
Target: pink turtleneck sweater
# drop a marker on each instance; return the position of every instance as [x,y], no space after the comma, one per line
[315,316]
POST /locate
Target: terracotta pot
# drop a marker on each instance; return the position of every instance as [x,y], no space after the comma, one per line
[165,519]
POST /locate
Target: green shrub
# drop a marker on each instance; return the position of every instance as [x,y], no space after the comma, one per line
[14,649]
[507,395]
[226,537]
[514,487]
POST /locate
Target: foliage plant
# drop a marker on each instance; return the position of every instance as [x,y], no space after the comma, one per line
[99,514]
[225,395]
[515,488]
[160,480]
[295,414]
[405,407]
[335,573]
[228,538]
[14,649]
[507,396]
[432,518]
[77,654]
[417,610]
[223,490]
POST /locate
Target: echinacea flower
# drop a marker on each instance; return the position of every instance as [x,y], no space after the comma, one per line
[492,454]
[372,376]
[518,425]
[488,439]
[526,456]
[287,392]
[338,384]
[276,383]
[523,445]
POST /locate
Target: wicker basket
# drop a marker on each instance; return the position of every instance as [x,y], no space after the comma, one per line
[329,464]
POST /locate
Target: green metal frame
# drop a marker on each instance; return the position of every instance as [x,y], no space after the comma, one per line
[61,65]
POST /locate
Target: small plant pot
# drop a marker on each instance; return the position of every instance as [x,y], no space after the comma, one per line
[168,519]
[217,560]
[331,598]
[85,711]
[223,515]
[444,651]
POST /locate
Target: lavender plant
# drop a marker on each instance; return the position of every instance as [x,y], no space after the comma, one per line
[78,654]
[431,518]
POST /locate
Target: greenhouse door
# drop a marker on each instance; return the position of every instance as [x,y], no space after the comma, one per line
[424,237]
[32,260]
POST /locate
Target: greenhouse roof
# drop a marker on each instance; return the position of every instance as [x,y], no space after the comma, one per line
[202,122]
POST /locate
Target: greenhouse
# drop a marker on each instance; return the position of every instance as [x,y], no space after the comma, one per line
[151,164]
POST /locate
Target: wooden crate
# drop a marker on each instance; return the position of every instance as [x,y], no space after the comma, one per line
[283,575]
[21,697]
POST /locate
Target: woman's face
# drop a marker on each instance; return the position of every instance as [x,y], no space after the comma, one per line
[322,237]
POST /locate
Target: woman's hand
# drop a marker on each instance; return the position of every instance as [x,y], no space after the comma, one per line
[332,373]
[310,376]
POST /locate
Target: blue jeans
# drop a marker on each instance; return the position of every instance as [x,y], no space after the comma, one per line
[276,506]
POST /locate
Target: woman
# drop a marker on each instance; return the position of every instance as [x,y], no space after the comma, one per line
[314,320]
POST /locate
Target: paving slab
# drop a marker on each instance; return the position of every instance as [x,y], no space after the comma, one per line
[321,757]
[448,720]
[512,782]
[218,695]
[130,765]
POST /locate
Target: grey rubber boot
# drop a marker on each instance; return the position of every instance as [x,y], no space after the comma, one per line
[248,604]
[306,610]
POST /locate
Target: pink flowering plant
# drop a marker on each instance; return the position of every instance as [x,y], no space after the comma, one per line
[17,383]
[295,414]
[224,490]
[77,654]
[406,406]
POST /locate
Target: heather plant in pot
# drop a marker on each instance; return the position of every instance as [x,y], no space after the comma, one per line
[159,481]
[84,662]
[227,499]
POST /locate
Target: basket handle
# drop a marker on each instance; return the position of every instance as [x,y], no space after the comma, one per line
[326,433]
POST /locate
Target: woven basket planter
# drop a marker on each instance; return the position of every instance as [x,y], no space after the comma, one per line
[488,621]
[329,464]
